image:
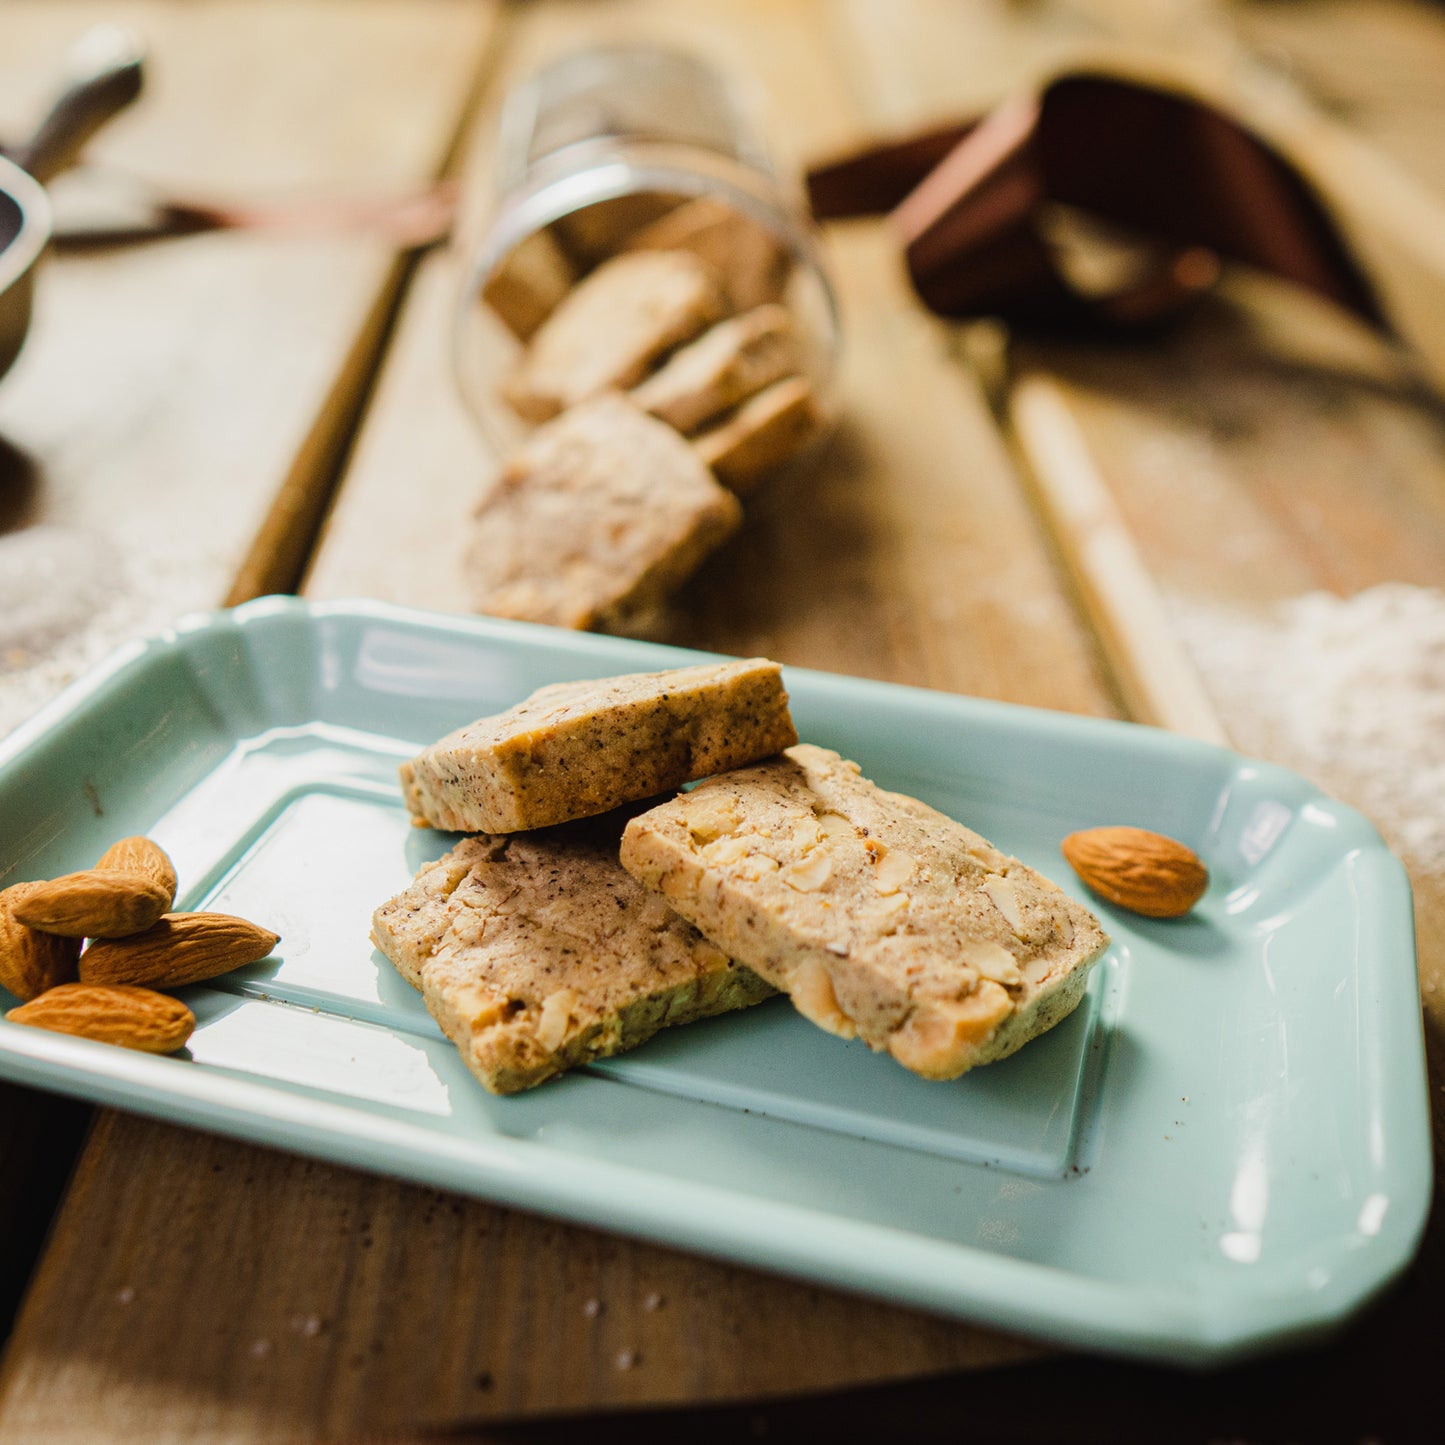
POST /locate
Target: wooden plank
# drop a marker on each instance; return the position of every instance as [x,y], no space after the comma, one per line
[1373,65]
[167,391]
[337,1304]
[1159,684]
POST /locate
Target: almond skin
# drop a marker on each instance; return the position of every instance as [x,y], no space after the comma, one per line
[182,948]
[31,961]
[99,903]
[133,1018]
[1142,871]
[140,855]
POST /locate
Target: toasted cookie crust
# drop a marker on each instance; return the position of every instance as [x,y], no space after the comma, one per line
[579,748]
[879,916]
[537,953]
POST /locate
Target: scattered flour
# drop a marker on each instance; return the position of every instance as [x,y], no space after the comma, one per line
[1349,692]
[66,603]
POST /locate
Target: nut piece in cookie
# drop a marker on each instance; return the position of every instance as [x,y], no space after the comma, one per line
[536,953]
[579,748]
[723,367]
[610,328]
[602,513]
[762,433]
[880,917]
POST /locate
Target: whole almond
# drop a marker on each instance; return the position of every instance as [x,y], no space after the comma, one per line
[134,1018]
[182,948]
[1142,871]
[140,855]
[99,903]
[31,961]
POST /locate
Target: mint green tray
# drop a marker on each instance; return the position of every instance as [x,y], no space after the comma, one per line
[1225,1148]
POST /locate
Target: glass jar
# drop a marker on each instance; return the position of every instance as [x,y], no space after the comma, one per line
[631,148]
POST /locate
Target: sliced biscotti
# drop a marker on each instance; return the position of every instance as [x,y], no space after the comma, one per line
[602,513]
[751,261]
[724,366]
[536,953]
[610,328]
[530,284]
[879,916]
[742,447]
[579,748]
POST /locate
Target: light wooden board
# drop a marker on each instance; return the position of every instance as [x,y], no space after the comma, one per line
[170,391]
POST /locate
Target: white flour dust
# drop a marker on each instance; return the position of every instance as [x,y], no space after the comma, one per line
[66,602]
[1350,692]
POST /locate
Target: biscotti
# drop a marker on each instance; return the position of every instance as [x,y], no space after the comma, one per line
[530,284]
[723,367]
[599,515]
[879,916]
[767,429]
[609,329]
[536,953]
[747,256]
[579,748]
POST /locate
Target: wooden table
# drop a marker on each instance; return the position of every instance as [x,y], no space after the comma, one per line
[193,1288]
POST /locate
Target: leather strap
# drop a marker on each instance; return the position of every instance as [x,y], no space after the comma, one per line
[974,204]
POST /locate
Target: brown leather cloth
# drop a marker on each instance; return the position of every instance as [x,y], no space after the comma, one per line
[973,201]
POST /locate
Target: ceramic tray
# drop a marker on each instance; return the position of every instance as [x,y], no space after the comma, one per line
[1224,1148]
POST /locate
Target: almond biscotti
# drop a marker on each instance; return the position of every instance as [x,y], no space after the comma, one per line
[742,447]
[879,916]
[609,329]
[579,748]
[600,515]
[723,367]
[536,953]
[751,261]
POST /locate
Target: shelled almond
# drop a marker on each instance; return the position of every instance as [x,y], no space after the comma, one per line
[98,903]
[1144,872]
[132,1018]
[122,906]
[180,948]
[31,961]
[140,855]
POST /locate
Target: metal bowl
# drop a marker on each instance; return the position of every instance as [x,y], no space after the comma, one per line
[24,230]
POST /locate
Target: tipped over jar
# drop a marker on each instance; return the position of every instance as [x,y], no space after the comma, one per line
[643,243]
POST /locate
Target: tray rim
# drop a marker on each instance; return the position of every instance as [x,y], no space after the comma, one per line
[959,1280]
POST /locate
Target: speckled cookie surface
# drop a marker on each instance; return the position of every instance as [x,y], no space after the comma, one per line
[579,748]
[536,953]
[881,917]
[602,513]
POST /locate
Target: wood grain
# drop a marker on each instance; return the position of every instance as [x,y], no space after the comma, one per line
[905,550]
[338,1303]
[168,390]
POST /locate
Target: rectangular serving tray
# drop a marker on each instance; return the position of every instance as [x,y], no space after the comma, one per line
[1225,1148]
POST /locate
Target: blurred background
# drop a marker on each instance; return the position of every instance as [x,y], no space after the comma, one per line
[240,378]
